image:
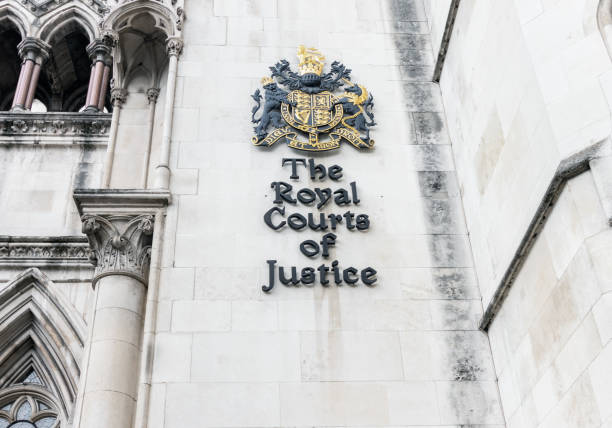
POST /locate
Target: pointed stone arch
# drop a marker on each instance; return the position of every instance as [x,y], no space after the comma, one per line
[70,15]
[142,29]
[166,19]
[14,13]
[40,331]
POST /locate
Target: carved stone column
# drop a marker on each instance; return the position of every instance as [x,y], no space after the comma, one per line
[152,95]
[174,47]
[34,53]
[118,96]
[119,226]
[100,53]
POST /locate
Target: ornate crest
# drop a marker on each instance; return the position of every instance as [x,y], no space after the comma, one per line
[310,108]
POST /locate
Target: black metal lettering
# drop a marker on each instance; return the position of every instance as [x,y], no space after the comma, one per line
[347,279]
[284,194]
[294,162]
[268,217]
[270,286]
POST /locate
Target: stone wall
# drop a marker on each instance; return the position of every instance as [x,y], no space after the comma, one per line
[551,338]
[437,15]
[405,352]
[524,87]
[43,157]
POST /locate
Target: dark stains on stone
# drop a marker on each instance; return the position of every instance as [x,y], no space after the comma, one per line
[82,174]
[415,57]
[412,41]
[407,27]
[432,157]
[422,97]
[456,314]
[407,10]
[442,217]
[465,363]
[438,184]
[430,128]
[450,283]
[457,308]
[466,370]
[449,251]
[415,73]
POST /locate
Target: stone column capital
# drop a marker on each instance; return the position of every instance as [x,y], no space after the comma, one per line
[120,244]
[34,49]
[119,227]
[152,95]
[174,46]
[110,37]
[118,96]
[100,50]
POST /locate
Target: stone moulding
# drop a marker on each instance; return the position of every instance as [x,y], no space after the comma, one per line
[41,7]
[568,168]
[448,31]
[43,251]
[113,201]
[54,124]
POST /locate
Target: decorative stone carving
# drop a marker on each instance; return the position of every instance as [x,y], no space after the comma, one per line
[118,95]
[56,123]
[110,37]
[41,7]
[43,251]
[180,13]
[121,244]
[174,47]
[152,94]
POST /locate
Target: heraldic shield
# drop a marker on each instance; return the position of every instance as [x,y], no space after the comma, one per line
[311,108]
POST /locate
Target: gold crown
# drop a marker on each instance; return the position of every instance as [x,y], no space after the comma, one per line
[266,80]
[311,61]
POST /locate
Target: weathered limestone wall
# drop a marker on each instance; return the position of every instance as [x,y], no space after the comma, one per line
[39,170]
[526,84]
[551,339]
[406,352]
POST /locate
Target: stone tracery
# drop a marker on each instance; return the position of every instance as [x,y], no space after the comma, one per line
[40,350]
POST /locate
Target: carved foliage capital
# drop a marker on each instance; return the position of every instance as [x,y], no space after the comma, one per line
[109,37]
[118,95]
[152,94]
[174,46]
[120,244]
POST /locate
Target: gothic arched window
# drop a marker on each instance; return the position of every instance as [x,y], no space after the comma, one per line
[28,404]
[39,352]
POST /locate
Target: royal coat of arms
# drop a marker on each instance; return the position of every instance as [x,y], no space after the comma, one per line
[310,108]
